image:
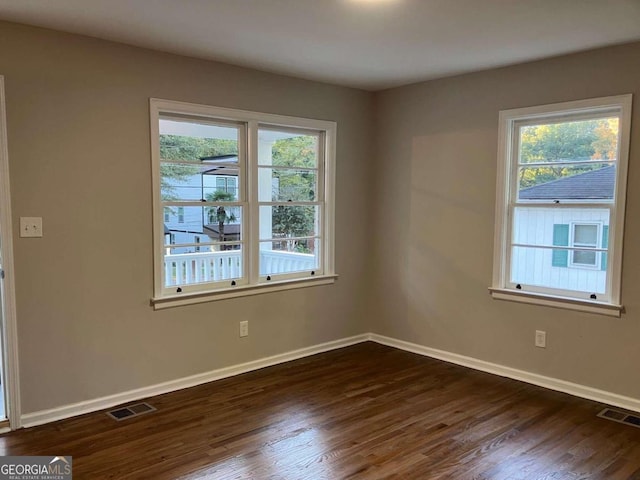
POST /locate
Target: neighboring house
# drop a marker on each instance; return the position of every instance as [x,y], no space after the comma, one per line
[231,231]
[557,226]
[194,224]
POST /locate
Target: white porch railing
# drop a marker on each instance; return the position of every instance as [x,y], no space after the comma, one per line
[187,268]
[278,261]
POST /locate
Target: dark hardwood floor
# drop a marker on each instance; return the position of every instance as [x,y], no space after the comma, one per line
[366,412]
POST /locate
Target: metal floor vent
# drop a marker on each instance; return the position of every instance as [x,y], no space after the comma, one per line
[620,417]
[130,411]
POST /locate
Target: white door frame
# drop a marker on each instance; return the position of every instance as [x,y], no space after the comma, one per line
[10,330]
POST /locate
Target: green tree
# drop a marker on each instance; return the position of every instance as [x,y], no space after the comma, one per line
[187,149]
[606,144]
[294,186]
[219,213]
[300,151]
[293,221]
[568,141]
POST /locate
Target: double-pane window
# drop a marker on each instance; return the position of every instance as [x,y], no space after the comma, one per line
[243,199]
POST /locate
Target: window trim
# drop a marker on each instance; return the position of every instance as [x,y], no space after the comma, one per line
[501,288]
[161,298]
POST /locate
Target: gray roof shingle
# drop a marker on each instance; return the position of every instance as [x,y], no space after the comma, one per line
[593,185]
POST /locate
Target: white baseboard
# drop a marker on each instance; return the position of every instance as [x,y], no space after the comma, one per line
[574,389]
[80,408]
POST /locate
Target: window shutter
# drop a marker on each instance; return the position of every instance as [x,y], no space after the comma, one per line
[560,258]
[605,244]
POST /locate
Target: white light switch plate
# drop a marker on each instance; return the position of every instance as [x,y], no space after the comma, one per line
[30,226]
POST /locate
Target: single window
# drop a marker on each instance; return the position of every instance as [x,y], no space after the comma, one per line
[228,184]
[585,236]
[253,195]
[560,203]
[290,208]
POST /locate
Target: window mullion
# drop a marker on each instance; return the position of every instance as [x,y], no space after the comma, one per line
[323,226]
[253,229]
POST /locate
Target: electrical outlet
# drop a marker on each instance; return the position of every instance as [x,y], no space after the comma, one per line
[541,339]
[30,226]
[244,328]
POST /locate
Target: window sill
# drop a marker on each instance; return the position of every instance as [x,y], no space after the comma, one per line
[171,301]
[557,302]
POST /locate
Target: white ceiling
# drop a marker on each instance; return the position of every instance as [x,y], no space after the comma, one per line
[369,44]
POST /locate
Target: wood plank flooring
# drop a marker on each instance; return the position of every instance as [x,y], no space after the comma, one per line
[362,412]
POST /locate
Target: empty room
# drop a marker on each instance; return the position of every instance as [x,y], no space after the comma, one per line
[329,239]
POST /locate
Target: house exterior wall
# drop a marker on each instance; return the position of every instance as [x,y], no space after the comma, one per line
[535,266]
[186,224]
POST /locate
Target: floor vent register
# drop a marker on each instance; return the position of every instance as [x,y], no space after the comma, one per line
[620,417]
[131,411]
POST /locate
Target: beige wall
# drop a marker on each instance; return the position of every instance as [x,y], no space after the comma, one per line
[415,216]
[436,174]
[78,132]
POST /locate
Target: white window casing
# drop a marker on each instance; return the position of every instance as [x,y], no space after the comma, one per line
[606,214]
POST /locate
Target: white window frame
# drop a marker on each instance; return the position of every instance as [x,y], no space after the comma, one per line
[506,192]
[251,283]
[572,244]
